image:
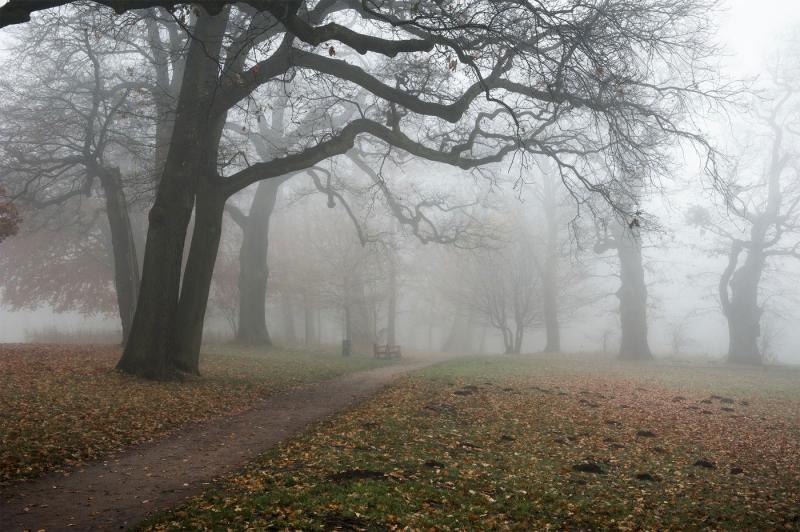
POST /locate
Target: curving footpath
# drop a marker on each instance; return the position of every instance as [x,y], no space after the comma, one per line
[125,489]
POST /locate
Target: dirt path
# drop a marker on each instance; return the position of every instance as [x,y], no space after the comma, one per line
[127,488]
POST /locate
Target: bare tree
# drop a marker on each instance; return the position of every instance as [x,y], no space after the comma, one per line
[557,252]
[549,270]
[69,130]
[92,116]
[352,276]
[679,338]
[443,83]
[625,238]
[764,206]
[253,268]
[501,287]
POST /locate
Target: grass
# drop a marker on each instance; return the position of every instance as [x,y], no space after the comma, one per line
[765,382]
[62,405]
[534,443]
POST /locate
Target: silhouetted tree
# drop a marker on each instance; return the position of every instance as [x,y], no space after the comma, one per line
[567,84]
[766,205]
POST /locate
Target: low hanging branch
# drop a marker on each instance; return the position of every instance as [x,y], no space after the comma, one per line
[331,192]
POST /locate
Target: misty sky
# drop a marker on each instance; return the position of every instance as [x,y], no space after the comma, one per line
[749,29]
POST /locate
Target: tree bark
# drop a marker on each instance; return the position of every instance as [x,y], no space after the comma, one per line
[744,316]
[508,340]
[146,352]
[741,307]
[188,333]
[632,296]
[123,244]
[192,153]
[519,335]
[253,267]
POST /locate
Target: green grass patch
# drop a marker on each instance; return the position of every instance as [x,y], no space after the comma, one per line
[764,381]
[530,443]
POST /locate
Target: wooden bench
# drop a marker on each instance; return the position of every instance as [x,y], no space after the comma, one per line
[386,351]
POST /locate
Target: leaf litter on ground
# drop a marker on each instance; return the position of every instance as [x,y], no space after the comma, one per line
[491,459]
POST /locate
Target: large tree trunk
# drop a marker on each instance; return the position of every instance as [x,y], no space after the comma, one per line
[146,352]
[550,277]
[741,307]
[632,296]
[550,307]
[192,153]
[519,335]
[253,268]
[508,340]
[188,332]
[123,244]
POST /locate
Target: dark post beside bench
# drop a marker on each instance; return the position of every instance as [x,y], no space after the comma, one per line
[386,351]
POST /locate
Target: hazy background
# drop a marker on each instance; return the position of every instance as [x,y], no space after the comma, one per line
[682,281]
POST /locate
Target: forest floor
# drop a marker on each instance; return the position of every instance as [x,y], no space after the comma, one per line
[64,405]
[533,443]
[126,487]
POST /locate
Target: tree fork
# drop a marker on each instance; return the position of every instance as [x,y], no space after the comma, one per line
[192,153]
[187,335]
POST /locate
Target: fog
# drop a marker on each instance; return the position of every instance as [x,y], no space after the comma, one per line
[682,263]
[408,265]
